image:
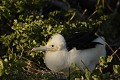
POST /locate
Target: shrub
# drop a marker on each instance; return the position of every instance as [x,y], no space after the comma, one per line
[25,24]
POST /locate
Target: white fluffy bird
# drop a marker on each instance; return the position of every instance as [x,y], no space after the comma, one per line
[61,53]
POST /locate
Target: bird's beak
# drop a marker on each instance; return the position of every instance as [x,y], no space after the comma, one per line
[44,48]
[41,48]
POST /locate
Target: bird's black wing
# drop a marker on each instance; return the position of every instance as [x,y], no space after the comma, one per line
[81,40]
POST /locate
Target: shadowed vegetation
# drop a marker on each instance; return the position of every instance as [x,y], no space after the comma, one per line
[25,24]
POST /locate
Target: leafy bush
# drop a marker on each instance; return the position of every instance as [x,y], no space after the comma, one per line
[25,24]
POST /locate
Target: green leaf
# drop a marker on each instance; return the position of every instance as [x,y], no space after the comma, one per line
[34,42]
[116,69]
[1,67]
[102,61]
[109,59]
[6,60]
[22,40]
[88,75]
[77,79]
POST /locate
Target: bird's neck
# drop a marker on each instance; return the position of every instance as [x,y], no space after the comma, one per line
[57,60]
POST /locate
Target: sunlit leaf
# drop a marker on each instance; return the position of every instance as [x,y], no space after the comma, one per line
[1,67]
[109,59]
[116,69]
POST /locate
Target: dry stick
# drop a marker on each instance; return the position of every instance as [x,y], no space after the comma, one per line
[85,65]
[118,3]
[92,14]
[69,68]
[84,12]
[35,63]
[114,52]
[30,69]
[108,5]
[73,16]
[69,74]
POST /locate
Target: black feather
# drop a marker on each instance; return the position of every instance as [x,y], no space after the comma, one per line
[82,40]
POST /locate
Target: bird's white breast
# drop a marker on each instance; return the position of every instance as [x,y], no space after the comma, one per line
[56,61]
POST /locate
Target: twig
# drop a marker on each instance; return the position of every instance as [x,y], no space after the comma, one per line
[84,12]
[118,3]
[109,7]
[92,14]
[114,52]
[72,16]
[35,64]
[85,65]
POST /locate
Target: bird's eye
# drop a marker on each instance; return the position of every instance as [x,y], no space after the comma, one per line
[51,38]
[52,45]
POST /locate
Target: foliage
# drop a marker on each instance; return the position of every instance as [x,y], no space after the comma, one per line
[25,24]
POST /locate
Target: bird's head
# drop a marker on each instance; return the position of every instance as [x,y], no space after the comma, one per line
[55,43]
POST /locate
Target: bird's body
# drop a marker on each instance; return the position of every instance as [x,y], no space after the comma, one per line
[59,56]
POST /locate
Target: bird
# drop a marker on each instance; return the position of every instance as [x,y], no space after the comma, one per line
[83,49]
